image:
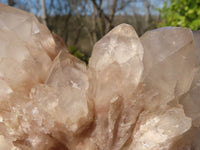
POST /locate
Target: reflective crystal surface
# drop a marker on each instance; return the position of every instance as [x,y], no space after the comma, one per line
[135,93]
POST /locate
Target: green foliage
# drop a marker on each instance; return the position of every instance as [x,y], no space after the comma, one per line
[74,51]
[182,13]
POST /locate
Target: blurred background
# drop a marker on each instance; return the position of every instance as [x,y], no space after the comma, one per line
[83,22]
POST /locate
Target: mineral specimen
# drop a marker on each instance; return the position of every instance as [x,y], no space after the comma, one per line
[135,94]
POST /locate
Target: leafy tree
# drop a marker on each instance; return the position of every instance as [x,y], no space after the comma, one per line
[182,13]
[74,51]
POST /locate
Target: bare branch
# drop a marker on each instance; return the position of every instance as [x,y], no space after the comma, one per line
[124,4]
[43,12]
[101,12]
[113,10]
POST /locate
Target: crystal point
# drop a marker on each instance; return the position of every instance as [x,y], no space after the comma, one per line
[169,60]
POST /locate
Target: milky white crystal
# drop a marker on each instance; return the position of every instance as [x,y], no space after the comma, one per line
[135,94]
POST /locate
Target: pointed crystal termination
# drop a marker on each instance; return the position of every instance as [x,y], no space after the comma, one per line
[136,93]
[68,85]
[27,28]
[67,104]
[115,71]
[191,102]
[27,59]
[116,59]
[169,61]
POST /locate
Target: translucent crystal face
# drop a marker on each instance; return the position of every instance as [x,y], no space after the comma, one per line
[115,46]
[135,94]
[169,60]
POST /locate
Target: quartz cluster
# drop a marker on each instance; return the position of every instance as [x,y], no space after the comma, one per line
[135,94]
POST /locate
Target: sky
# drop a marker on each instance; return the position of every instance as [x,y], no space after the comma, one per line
[34,6]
